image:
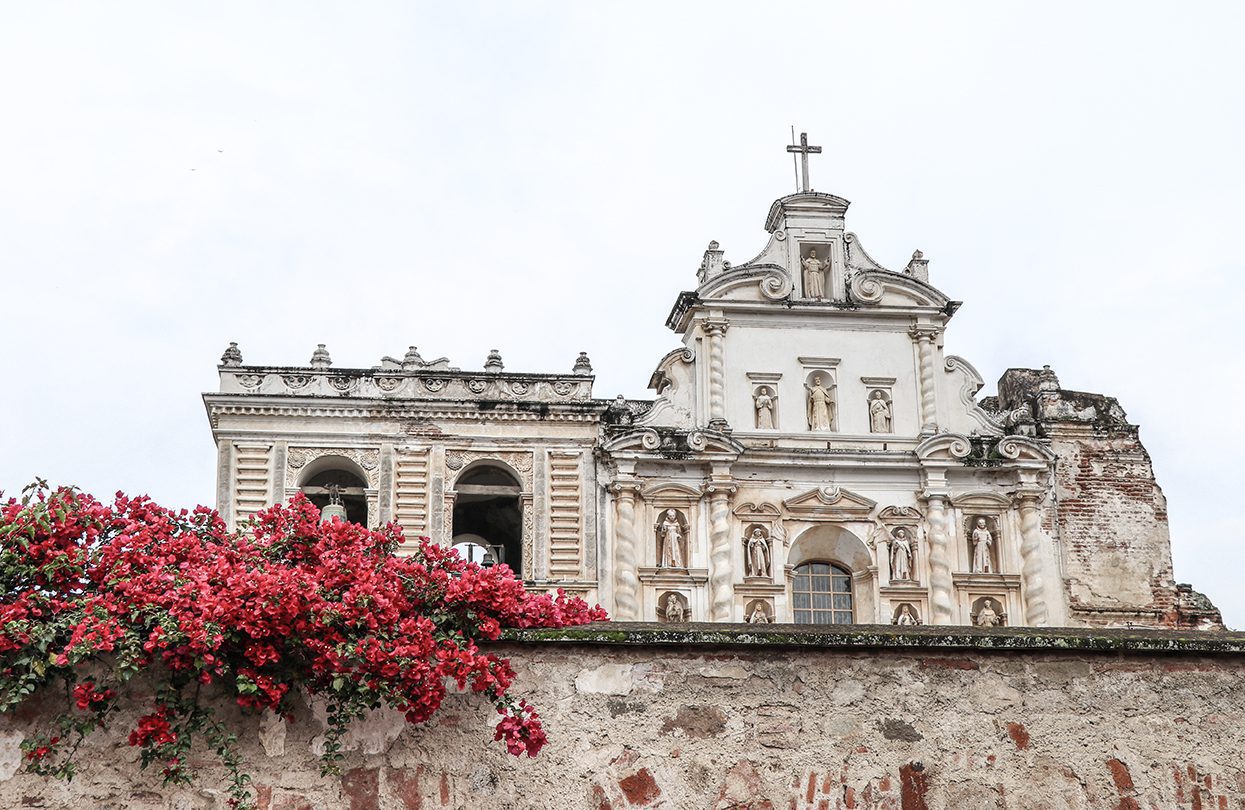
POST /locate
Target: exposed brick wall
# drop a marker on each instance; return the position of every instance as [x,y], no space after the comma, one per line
[1108,513]
[709,727]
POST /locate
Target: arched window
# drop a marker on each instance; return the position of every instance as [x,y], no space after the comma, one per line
[350,488]
[487,513]
[821,593]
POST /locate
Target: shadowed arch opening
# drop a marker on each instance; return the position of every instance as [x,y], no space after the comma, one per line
[487,509]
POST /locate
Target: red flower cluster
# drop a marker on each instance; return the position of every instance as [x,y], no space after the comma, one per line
[289,604]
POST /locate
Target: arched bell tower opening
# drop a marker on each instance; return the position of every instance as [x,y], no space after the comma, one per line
[488,513]
[351,489]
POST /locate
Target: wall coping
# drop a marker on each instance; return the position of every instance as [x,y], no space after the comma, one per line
[889,637]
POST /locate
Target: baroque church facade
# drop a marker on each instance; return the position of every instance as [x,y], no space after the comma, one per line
[810,455]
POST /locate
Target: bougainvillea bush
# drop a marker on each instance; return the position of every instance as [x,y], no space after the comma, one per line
[94,594]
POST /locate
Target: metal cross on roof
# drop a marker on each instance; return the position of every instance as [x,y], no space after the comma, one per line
[804,151]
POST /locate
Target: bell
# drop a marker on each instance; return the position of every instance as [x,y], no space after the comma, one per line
[333,510]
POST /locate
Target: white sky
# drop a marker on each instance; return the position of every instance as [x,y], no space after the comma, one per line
[543,177]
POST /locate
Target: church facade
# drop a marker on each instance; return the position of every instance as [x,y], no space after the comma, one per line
[810,455]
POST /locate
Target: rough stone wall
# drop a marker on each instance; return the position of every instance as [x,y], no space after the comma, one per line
[754,726]
[1109,513]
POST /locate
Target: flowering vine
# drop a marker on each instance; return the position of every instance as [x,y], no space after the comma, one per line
[92,595]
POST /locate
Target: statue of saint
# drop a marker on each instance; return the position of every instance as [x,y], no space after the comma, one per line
[879,413]
[820,406]
[764,404]
[759,615]
[673,550]
[814,276]
[901,555]
[906,617]
[982,540]
[988,616]
[675,609]
[758,554]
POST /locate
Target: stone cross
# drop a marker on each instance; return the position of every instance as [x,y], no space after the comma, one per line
[804,150]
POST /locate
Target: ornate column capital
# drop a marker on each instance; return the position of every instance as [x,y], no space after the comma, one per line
[620,487]
[926,332]
[715,326]
[1028,498]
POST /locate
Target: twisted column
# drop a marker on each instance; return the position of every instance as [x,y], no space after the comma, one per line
[925,337]
[1031,554]
[715,330]
[721,575]
[940,585]
[626,555]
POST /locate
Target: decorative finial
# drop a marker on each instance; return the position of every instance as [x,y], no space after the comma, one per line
[582,365]
[320,357]
[412,359]
[918,267]
[493,363]
[232,355]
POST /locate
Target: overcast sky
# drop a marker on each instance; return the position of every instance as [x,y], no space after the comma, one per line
[542,178]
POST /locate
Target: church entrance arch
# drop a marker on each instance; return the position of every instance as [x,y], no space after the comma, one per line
[828,574]
[488,513]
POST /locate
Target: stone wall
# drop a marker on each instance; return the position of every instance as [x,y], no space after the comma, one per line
[1109,513]
[709,717]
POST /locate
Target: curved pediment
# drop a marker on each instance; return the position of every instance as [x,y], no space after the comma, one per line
[944,447]
[753,282]
[1018,448]
[888,289]
[665,441]
[830,502]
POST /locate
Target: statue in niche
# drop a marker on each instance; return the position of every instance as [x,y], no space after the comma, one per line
[879,413]
[982,541]
[990,615]
[814,276]
[820,406]
[758,613]
[675,609]
[758,554]
[901,555]
[673,540]
[764,404]
[906,617]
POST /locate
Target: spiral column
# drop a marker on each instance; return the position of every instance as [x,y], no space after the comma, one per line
[716,331]
[1036,614]
[941,607]
[721,573]
[925,338]
[626,554]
